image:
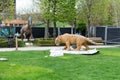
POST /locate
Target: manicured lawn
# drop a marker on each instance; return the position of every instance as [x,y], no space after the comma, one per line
[38,65]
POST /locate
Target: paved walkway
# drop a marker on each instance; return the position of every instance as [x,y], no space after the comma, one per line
[51,47]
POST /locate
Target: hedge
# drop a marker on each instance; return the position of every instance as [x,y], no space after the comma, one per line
[4,43]
[44,42]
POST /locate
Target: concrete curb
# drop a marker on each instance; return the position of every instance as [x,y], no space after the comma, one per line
[50,47]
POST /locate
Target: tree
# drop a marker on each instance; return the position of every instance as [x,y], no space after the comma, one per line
[58,10]
[45,12]
[116,11]
[7,9]
[92,12]
[67,12]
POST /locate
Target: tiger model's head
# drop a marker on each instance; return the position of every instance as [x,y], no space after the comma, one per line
[57,41]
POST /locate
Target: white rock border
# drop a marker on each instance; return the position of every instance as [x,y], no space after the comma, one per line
[60,52]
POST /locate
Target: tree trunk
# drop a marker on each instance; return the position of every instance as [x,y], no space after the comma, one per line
[54,29]
[75,26]
[89,7]
[47,29]
[54,22]
[88,27]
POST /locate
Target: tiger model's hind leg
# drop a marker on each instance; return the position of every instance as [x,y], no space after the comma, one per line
[78,47]
[86,46]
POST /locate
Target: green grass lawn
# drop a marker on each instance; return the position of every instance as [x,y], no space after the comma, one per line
[38,65]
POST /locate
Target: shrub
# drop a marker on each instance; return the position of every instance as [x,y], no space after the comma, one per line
[44,42]
[4,43]
[21,43]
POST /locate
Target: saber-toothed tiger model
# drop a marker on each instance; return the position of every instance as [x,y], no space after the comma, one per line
[70,39]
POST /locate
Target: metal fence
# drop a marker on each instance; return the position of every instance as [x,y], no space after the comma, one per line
[38,32]
[110,35]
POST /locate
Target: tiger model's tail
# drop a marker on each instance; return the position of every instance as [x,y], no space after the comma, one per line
[89,40]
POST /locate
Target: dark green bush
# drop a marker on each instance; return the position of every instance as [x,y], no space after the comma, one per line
[44,42]
[81,26]
[21,43]
[36,42]
[4,43]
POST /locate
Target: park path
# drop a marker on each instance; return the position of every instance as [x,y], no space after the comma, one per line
[50,47]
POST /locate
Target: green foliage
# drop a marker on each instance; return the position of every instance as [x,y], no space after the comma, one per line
[95,11]
[7,9]
[58,9]
[92,12]
[21,43]
[44,42]
[38,65]
[65,8]
[59,24]
[81,26]
[4,43]
[36,42]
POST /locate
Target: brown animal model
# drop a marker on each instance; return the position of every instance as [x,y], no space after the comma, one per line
[78,40]
[26,32]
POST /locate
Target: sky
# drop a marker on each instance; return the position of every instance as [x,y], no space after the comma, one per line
[22,5]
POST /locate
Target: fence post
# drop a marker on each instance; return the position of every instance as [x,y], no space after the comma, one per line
[59,31]
[16,40]
[95,31]
[71,30]
[106,28]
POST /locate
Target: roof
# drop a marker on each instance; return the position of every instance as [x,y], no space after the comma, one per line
[17,22]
